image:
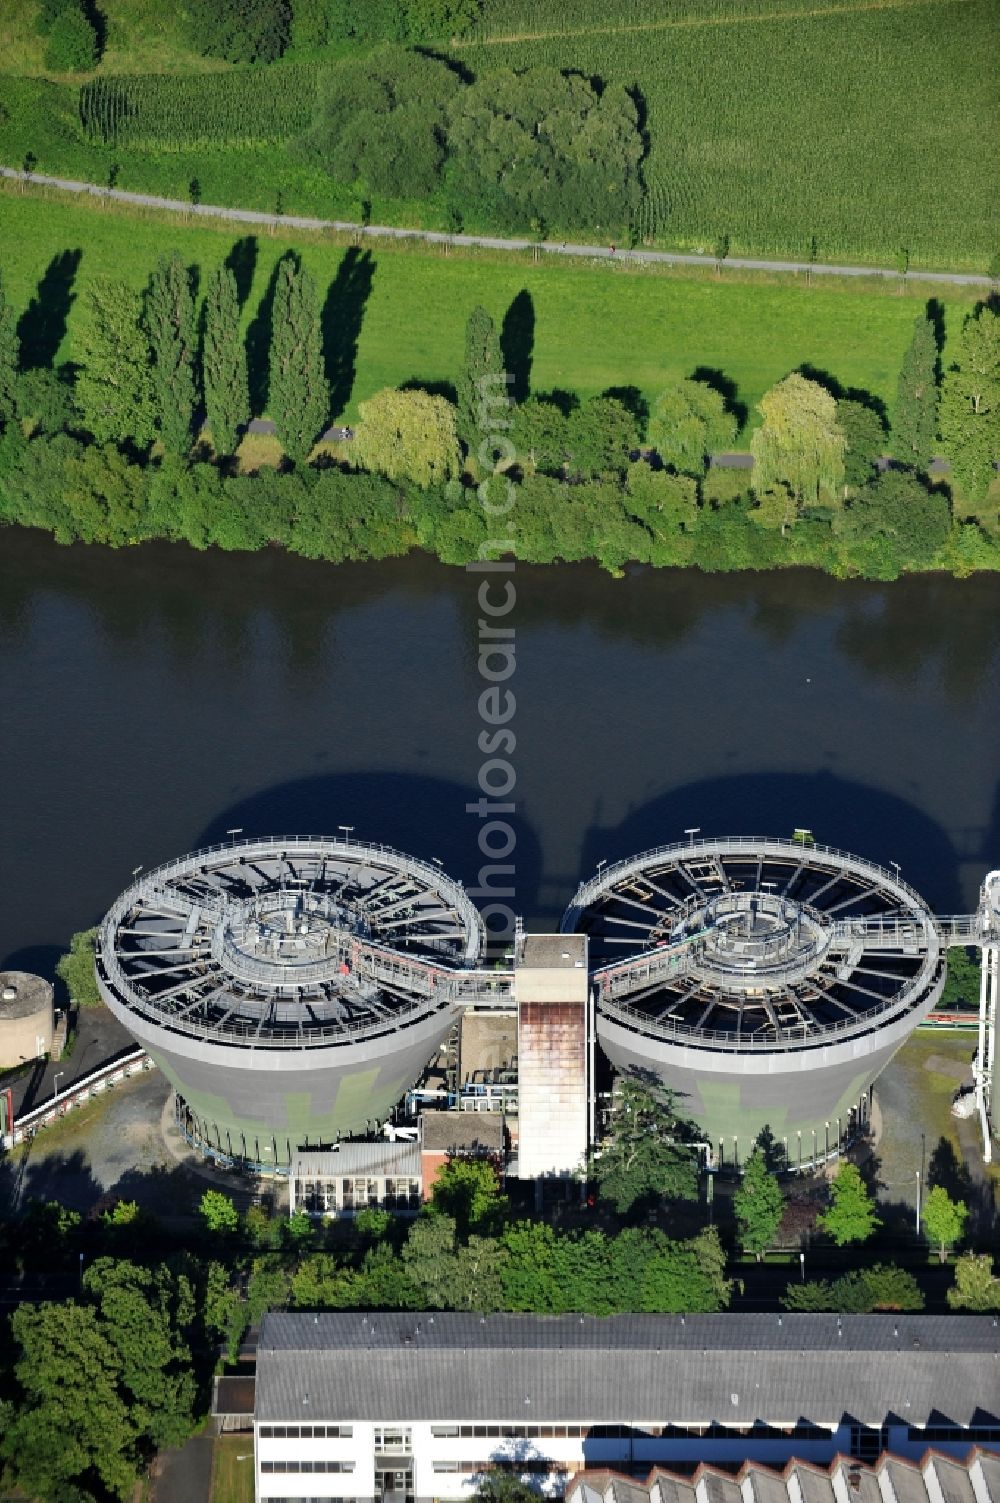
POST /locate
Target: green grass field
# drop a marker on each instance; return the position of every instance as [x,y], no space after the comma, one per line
[864,125]
[597,325]
[232,1478]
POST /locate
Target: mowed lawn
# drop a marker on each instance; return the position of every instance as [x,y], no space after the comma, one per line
[596,325]
[232,1469]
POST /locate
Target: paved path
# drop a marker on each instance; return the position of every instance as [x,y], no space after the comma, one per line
[184,1474]
[486,242]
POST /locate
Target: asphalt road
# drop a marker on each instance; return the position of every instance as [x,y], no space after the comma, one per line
[486,242]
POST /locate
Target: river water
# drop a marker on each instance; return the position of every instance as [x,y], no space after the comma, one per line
[155,698]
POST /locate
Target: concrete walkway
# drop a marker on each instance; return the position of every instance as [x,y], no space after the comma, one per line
[485,242]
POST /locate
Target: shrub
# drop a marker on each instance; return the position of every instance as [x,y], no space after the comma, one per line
[72,42]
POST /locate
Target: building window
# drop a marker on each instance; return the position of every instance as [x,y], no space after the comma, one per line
[392,1438]
[306,1432]
[270,1468]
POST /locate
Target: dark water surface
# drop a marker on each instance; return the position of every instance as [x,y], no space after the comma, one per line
[153,698]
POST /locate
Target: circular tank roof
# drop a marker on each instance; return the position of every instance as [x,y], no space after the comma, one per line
[746,942]
[295,940]
[22,994]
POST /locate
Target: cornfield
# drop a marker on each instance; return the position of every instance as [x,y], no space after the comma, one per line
[242,107]
[860,127]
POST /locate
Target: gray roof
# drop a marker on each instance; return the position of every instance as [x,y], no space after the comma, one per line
[730,1368]
[976,1479]
[359,1158]
[462,1132]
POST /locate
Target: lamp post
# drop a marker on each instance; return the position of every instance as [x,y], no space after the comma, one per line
[918,1202]
[802,1266]
[55,1083]
[691,832]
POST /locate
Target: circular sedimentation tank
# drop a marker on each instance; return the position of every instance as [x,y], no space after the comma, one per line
[291,988]
[767,982]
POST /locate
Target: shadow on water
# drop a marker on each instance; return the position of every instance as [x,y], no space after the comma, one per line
[863,820]
[341,320]
[42,326]
[425,817]
[897,633]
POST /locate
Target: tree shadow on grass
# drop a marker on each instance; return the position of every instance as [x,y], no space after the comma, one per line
[341,320]
[710,375]
[517,343]
[242,262]
[259,345]
[843,393]
[42,326]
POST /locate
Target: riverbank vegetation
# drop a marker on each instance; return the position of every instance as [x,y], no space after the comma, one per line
[112,445]
[819,135]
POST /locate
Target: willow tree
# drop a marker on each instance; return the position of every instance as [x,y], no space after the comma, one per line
[689,423]
[224,362]
[408,435]
[298,394]
[799,445]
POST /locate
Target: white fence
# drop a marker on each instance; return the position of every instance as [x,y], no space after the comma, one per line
[111,1073]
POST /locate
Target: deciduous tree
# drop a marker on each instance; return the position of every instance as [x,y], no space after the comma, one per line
[76,969]
[976,1287]
[224,362]
[170,324]
[10,355]
[689,423]
[799,443]
[298,395]
[865,439]
[408,435]
[74,1421]
[480,384]
[970,402]
[759,1205]
[897,520]
[944,1219]
[915,421]
[220,1216]
[469,1191]
[851,1214]
[114,387]
[601,437]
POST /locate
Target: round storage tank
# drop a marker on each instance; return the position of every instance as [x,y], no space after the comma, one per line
[767,982]
[26,1017]
[292,989]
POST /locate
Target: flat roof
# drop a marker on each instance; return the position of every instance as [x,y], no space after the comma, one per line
[734,1369]
[553,951]
[461,1132]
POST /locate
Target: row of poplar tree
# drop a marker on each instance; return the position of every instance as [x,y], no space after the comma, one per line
[151,367]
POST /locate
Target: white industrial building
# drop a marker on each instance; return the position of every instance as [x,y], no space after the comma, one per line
[410,1407]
